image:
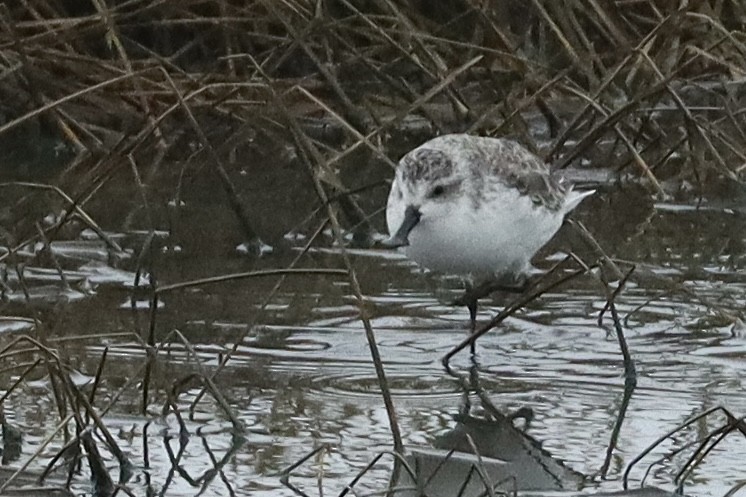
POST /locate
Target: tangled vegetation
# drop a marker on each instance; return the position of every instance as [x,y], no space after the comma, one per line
[654,88]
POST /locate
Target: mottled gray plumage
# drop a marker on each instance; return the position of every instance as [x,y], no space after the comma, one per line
[477,206]
[485,159]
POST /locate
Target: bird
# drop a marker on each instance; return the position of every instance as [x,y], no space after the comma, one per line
[476,207]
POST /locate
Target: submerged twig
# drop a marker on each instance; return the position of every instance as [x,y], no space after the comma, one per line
[310,157]
[250,274]
[733,423]
[508,311]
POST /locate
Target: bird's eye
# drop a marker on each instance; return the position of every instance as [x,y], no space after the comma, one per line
[437,191]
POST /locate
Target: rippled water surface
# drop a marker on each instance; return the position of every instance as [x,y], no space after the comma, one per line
[302,373]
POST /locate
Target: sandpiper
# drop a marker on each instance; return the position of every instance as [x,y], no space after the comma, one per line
[476,207]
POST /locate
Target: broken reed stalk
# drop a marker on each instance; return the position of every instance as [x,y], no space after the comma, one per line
[251,274]
[18,380]
[62,425]
[713,439]
[150,340]
[73,207]
[607,264]
[304,143]
[208,383]
[97,379]
[527,297]
[313,161]
[735,423]
[102,482]
[67,395]
[350,487]
[479,468]
[630,383]
[630,373]
[699,444]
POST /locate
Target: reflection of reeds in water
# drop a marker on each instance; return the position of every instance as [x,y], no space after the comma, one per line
[492,457]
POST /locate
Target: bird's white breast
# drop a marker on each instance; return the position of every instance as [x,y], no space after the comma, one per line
[499,237]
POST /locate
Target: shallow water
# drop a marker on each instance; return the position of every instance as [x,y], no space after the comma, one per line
[303,374]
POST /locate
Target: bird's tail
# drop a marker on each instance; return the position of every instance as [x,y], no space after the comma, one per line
[575,197]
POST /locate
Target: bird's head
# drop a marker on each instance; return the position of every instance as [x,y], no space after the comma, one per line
[424,189]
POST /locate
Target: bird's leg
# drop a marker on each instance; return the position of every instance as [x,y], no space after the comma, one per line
[472,306]
[471,301]
[524,412]
[472,294]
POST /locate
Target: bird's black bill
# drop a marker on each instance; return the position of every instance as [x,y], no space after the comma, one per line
[400,239]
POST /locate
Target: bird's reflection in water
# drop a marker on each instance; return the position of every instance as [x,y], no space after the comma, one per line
[486,449]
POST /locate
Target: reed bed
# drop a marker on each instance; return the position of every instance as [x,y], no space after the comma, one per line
[655,88]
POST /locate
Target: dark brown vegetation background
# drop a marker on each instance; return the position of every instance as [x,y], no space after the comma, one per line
[303,96]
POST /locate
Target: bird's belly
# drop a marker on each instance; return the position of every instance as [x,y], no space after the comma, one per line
[484,241]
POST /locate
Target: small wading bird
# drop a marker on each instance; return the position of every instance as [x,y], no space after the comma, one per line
[476,207]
